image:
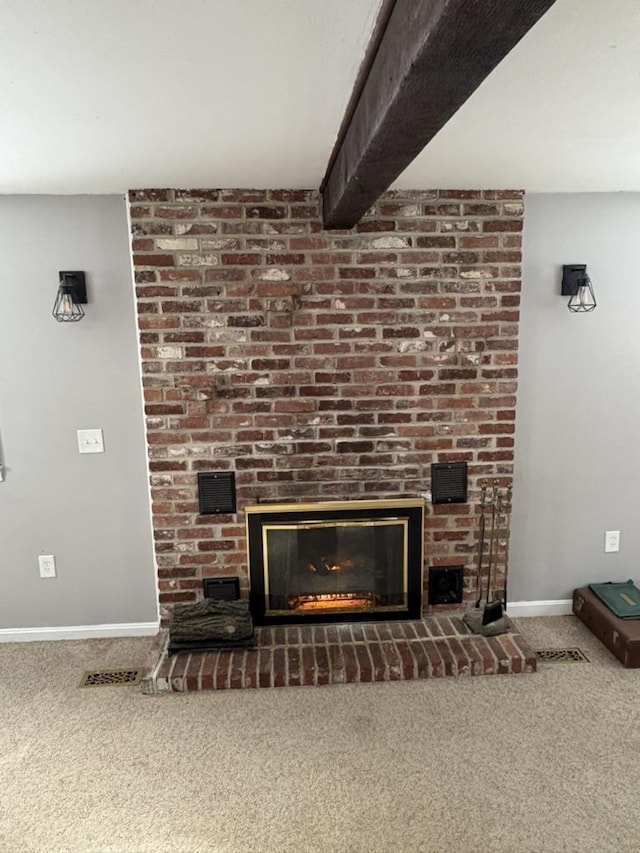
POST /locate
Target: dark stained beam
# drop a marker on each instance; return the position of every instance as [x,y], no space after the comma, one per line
[425,59]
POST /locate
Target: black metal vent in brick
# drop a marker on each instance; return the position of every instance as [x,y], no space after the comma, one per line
[222,589]
[449,482]
[217,492]
[445,585]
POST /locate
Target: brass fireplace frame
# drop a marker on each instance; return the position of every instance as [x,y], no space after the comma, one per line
[408,512]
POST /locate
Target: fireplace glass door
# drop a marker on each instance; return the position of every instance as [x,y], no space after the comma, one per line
[334,561]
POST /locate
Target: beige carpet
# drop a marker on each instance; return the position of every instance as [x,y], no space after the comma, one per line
[520,764]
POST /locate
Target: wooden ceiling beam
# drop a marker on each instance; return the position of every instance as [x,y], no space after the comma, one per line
[425,59]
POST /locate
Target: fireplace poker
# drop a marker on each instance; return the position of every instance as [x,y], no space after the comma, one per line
[483,497]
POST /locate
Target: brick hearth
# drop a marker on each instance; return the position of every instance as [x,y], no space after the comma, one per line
[313,655]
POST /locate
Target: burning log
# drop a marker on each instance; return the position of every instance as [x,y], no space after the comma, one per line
[320,565]
[332,602]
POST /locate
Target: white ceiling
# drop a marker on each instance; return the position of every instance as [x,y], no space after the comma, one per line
[561,113]
[99,97]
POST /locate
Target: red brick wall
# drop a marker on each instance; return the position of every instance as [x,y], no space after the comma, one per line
[322,365]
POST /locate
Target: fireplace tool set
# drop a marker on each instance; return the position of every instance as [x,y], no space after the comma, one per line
[493,546]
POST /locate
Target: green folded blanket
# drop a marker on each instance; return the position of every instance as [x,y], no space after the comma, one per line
[621,598]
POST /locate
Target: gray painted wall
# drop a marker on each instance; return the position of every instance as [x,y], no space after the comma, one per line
[578,415]
[90,511]
[577,458]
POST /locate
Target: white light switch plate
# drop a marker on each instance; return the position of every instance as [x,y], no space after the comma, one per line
[90,441]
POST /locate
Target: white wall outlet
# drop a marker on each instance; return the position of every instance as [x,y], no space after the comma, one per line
[90,441]
[47,565]
[611,541]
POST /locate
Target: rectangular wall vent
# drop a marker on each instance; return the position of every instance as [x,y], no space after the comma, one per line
[445,584]
[222,589]
[217,492]
[449,482]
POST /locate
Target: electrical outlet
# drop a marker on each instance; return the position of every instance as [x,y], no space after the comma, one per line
[611,541]
[47,565]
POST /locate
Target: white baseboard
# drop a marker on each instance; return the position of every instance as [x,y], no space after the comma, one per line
[79,632]
[559,607]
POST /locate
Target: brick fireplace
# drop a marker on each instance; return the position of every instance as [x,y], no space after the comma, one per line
[322,365]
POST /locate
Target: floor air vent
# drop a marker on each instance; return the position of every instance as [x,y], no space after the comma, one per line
[561,655]
[103,677]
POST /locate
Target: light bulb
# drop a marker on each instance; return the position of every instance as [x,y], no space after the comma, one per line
[66,305]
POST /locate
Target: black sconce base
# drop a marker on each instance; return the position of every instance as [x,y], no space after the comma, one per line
[572,274]
[77,282]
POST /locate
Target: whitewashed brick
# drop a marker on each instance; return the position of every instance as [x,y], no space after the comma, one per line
[197,260]
[177,244]
[390,243]
[513,208]
[274,274]
[169,352]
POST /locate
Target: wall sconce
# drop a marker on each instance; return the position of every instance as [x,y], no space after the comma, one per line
[576,284]
[71,296]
